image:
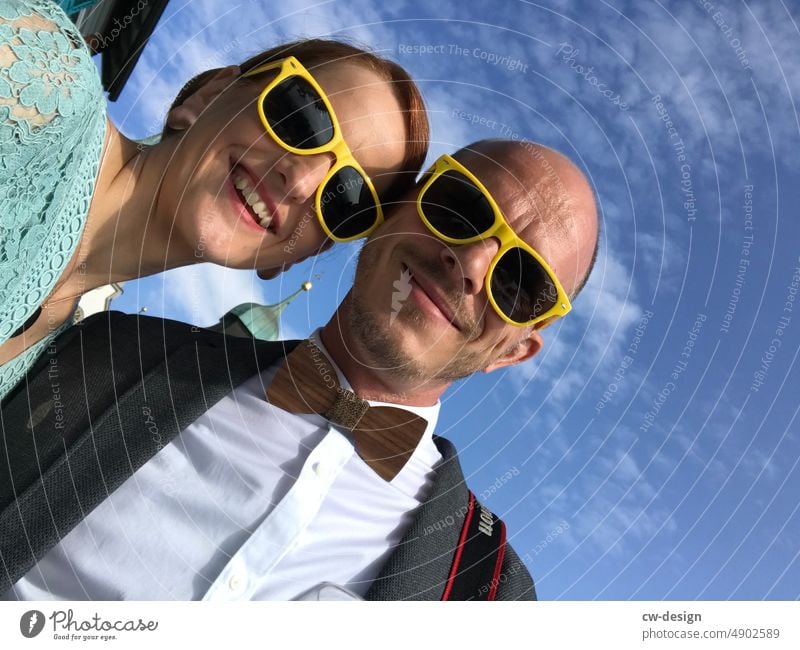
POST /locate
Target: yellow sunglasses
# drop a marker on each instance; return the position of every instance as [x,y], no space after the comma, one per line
[298,115]
[458,209]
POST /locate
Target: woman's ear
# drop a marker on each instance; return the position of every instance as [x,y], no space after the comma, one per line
[182,116]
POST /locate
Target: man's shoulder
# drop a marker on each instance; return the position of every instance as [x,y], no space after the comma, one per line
[512,580]
[114,349]
[166,334]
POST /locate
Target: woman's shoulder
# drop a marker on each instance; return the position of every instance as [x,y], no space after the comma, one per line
[47,75]
[51,97]
[52,128]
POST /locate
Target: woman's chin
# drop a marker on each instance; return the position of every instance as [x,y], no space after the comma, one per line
[270,274]
[228,240]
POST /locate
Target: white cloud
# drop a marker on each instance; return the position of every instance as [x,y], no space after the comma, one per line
[202,293]
[591,338]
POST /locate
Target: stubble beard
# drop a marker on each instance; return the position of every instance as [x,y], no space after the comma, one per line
[380,336]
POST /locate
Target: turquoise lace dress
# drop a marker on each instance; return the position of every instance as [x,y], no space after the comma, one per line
[52,127]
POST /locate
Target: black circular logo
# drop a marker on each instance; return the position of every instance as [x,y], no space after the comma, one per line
[31,623]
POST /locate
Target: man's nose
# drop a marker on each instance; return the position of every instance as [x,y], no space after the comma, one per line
[470,262]
[302,175]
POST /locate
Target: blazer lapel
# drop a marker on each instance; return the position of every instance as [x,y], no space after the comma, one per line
[167,375]
[419,567]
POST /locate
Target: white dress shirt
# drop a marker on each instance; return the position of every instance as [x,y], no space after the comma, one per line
[249,502]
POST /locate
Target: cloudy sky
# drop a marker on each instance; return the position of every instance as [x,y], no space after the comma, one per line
[651,449]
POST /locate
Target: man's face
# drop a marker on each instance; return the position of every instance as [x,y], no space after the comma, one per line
[420,305]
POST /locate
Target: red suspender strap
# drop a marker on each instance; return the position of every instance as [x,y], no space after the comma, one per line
[475,573]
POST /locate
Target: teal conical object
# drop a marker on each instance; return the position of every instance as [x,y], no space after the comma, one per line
[257,321]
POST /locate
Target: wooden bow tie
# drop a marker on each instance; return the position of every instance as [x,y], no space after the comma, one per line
[384,436]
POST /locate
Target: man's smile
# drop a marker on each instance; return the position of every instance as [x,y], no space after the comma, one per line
[430,298]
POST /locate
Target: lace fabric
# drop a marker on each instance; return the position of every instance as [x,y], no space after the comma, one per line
[52,128]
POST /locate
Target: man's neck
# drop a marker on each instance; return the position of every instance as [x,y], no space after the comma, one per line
[367,379]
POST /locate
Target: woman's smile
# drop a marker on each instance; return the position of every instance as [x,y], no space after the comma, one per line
[251,202]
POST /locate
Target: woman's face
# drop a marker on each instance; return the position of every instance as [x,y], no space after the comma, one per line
[227,152]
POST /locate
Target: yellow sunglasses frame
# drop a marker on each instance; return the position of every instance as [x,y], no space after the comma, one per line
[291,67]
[508,240]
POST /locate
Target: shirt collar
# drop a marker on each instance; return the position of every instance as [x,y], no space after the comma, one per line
[429,413]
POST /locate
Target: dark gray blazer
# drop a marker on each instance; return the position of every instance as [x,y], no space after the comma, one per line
[112,391]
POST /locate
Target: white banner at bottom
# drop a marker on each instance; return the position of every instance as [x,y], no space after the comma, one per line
[390,626]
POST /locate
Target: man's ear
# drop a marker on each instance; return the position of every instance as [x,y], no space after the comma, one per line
[522,351]
[182,116]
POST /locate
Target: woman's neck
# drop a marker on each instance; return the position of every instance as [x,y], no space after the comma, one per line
[124,238]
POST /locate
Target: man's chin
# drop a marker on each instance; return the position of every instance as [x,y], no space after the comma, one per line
[391,342]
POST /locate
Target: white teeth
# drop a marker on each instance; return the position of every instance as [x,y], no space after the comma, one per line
[248,191]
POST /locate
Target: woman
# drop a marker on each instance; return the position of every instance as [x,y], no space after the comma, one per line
[260,166]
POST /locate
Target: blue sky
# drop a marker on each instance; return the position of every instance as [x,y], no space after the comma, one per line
[651,449]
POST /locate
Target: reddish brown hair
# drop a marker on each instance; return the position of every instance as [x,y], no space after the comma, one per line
[317,53]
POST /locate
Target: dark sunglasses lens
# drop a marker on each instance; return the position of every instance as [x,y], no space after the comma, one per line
[297,114]
[347,204]
[456,208]
[521,288]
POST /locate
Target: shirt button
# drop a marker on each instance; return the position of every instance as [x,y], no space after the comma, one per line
[319,470]
[236,582]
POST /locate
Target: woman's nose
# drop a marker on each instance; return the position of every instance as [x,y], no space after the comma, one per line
[470,262]
[302,175]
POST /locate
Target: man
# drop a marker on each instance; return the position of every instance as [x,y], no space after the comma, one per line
[319,506]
